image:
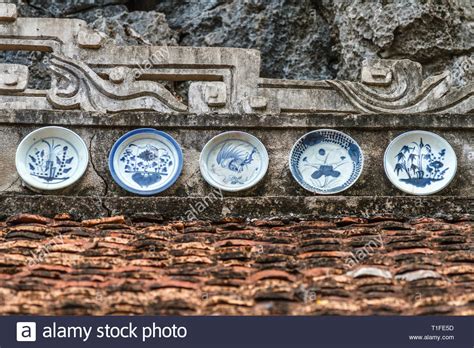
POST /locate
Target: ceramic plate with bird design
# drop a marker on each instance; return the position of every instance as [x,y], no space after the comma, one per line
[145,161]
[420,162]
[51,158]
[326,161]
[233,161]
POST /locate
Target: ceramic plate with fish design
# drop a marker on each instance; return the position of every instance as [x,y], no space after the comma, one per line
[51,158]
[326,161]
[420,162]
[233,161]
[146,161]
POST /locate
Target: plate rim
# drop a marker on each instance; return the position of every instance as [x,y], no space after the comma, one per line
[320,130]
[260,176]
[424,132]
[131,133]
[64,184]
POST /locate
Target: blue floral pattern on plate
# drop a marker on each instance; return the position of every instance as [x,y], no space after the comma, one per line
[145,161]
[147,164]
[326,161]
[420,162]
[52,160]
[233,161]
[421,166]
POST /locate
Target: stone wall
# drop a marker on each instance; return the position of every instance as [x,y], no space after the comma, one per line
[94,82]
[277,195]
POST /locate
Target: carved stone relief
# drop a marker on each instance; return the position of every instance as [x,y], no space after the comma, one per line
[89,72]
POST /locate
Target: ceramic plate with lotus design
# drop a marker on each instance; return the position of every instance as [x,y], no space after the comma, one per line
[145,161]
[326,161]
[233,161]
[420,162]
[51,158]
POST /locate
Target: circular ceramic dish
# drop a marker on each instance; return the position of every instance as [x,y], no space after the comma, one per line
[233,161]
[420,162]
[326,161]
[51,158]
[145,161]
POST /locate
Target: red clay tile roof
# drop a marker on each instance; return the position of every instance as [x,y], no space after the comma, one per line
[345,266]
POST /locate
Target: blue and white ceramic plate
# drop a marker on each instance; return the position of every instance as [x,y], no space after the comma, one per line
[145,161]
[326,161]
[420,162]
[51,158]
[233,161]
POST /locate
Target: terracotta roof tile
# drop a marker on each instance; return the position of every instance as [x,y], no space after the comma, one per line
[261,267]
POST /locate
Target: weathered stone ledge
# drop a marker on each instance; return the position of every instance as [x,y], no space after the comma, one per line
[277,133]
[194,121]
[216,208]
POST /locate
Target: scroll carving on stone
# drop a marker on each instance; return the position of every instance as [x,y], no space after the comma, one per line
[75,85]
[397,86]
[89,72]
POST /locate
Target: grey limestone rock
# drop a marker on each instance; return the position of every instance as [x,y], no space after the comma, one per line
[305,39]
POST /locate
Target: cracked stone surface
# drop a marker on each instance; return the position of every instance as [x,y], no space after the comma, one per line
[9,178]
[298,39]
